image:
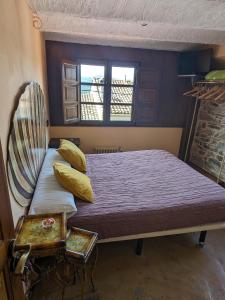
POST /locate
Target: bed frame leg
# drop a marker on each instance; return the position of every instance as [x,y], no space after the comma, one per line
[201,241]
[139,246]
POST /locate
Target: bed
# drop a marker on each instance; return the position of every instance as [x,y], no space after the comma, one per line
[138,194]
[142,192]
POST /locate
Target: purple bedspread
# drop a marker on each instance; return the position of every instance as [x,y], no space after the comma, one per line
[146,191]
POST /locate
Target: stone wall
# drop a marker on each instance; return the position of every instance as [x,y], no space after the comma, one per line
[208,147]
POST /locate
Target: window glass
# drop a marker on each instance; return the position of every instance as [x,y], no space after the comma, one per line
[92,88]
[92,112]
[122,75]
[120,112]
[92,74]
[92,93]
[122,94]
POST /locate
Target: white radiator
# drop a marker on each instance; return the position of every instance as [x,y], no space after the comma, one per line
[107,149]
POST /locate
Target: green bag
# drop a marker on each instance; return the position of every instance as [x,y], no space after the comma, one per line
[215,75]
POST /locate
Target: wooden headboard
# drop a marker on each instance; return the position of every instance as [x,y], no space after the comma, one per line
[27,143]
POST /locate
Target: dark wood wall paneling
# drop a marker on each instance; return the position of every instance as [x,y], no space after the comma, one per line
[158,101]
[13,283]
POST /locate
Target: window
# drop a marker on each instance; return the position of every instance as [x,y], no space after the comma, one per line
[92,92]
[105,93]
[122,89]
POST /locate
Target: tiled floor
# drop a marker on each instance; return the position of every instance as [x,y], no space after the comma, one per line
[171,268]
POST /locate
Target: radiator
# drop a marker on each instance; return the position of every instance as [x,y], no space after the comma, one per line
[107,149]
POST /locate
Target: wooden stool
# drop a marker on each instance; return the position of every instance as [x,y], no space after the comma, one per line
[79,247]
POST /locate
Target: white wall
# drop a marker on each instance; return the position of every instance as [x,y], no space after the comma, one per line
[129,138]
[21,59]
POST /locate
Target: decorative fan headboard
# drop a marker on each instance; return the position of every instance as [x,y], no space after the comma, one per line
[27,143]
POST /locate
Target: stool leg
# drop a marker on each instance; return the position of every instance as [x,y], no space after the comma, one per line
[83,280]
[202,237]
[139,247]
[92,282]
[93,269]
[63,292]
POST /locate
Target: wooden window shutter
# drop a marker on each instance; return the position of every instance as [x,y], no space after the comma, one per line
[147,96]
[71,92]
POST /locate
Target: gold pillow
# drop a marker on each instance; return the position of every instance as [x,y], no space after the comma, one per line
[73,155]
[74,181]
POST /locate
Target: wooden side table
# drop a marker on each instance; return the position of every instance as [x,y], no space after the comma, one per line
[39,251]
[34,240]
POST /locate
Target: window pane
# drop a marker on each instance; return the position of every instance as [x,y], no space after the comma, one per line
[121,95]
[92,74]
[121,75]
[91,112]
[120,113]
[92,93]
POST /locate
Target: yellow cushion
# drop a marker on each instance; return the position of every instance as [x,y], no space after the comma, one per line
[73,155]
[74,181]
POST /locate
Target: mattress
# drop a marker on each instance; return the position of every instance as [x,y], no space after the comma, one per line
[146,191]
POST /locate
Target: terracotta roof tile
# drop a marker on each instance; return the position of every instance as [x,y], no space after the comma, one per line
[119,95]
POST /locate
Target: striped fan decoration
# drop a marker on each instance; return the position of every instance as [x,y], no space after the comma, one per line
[27,143]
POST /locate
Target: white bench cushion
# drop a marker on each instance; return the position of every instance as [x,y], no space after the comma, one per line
[49,196]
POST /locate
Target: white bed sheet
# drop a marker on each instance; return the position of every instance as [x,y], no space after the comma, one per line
[49,196]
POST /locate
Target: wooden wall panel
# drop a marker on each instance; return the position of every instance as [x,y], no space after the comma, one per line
[149,78]
[146,106]
[3,293]
[12,283]
[157,70]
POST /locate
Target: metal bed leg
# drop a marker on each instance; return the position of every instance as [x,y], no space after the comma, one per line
[139,246]
[201,241]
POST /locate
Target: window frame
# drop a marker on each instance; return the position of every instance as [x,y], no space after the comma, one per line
[94,63]
[107,93]
[134,86]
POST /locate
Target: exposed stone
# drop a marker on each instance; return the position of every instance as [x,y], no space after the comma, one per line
[203,115]
[220,135]
[214,126]
[208,148]
[219,158]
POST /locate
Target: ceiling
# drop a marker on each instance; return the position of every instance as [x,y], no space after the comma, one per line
[152,24]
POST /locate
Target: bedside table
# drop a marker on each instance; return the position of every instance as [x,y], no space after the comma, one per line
[39,251]
[34,244]
[80,244]
[55,142]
